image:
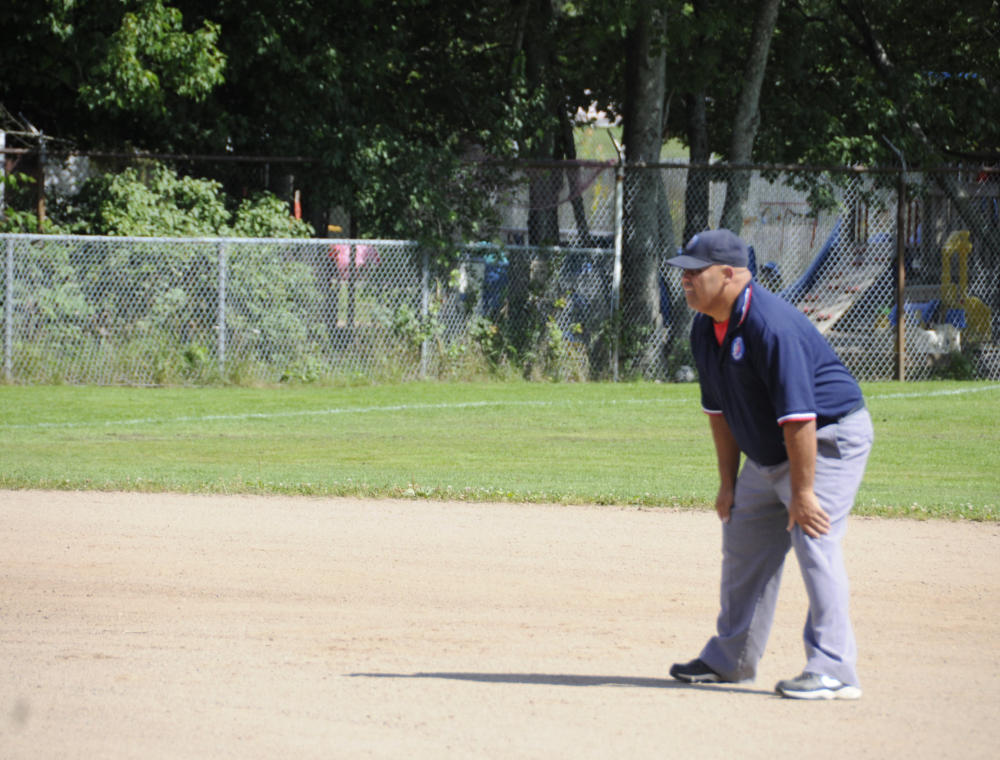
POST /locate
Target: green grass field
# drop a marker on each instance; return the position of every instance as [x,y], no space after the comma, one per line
[639,444]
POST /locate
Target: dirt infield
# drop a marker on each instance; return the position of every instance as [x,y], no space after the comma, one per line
[138,626]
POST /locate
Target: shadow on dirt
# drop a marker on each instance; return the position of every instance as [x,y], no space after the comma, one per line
[561,679]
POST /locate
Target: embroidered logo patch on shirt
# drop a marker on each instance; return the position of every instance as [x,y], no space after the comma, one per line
[738,349]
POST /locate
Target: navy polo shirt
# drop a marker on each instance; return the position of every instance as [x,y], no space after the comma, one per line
[773,366]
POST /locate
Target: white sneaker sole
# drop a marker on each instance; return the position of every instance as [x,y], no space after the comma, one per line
[699,679]
[844,692]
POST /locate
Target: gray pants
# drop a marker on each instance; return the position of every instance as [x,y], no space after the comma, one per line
[755,542]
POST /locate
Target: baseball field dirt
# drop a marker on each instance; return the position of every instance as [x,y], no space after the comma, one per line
[175,626]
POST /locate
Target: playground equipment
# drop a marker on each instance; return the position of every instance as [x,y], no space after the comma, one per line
[965,312]
[839,276]
[939,326]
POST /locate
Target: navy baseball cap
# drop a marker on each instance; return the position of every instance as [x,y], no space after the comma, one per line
[712,247]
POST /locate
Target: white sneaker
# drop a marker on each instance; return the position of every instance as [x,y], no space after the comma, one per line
[815,686]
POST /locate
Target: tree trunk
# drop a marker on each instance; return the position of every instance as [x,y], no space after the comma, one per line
[696,191]
[543,212]
[748,114]
[645,88]
[526,273]
[584,238]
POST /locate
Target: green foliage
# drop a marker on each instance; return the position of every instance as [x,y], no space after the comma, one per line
[423,193]
[386,96]
[886,78]
[548,329]
[957,365]
[155,304]
[149,56]
[54,300]
[265,216]
[309,369]
[107,73]
[490,339]
[390,96]
[412,328]
[149,201]
[271,302]
[11,218]
[395,77]
[153,200]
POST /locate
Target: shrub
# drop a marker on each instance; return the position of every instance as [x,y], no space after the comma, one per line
[153,200]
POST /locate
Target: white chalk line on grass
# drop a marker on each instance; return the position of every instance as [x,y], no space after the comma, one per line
[929,394]
[324,412]
[456,405]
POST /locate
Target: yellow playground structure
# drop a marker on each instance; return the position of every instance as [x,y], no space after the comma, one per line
[967,313]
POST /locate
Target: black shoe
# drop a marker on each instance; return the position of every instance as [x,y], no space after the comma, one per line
[695,671]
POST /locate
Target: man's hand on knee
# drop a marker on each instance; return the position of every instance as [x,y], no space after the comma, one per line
[805,511]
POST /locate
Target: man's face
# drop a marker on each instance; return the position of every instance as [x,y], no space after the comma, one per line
[703,288]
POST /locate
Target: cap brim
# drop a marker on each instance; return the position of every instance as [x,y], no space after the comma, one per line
[688,262]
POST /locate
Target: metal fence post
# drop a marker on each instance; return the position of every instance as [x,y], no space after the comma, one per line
[8,312]
[221,322]
[616,277]
[352,296]
[425,302]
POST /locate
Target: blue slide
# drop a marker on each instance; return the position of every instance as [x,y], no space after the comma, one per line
[793,293]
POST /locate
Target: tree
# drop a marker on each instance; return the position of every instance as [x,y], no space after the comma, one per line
[150,58]
[696,193]
[645,67]
[916,74]
[384,94]
[106,73]
[674,55]
[747,118]
[387,96]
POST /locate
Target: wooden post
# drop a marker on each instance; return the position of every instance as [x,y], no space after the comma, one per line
[901,277]
[40,182]
[3,169]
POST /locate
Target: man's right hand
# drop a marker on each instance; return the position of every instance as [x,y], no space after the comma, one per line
[724,503]
[728,455]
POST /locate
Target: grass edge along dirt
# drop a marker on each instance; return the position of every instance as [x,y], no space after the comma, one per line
[627,444]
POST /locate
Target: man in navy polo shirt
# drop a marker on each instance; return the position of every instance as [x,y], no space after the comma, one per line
[775,392]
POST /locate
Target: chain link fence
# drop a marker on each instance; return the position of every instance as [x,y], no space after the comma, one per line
[837,244]
[149,311]
[116,310]
[573,285]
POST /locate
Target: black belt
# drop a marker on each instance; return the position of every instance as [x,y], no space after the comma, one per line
[821,420]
